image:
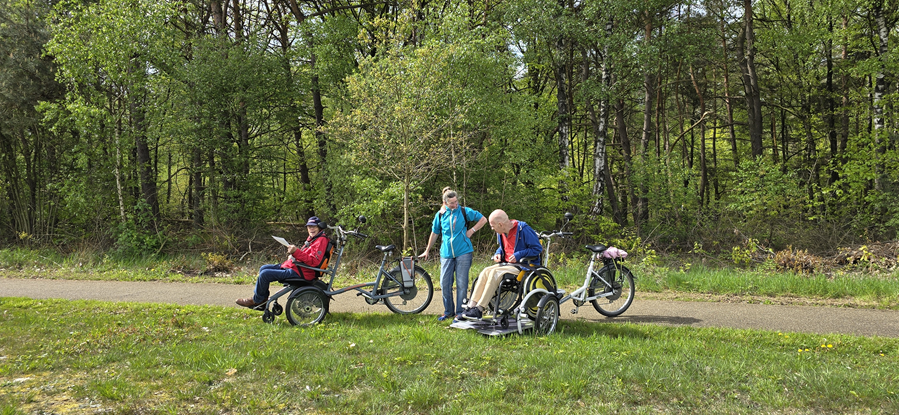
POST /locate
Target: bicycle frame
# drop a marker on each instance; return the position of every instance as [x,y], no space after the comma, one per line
[332,271]
[580,294]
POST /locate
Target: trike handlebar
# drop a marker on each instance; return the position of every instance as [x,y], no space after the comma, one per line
[343,233]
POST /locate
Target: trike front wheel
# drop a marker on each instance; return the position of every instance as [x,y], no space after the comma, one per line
[306,306]
[411,300]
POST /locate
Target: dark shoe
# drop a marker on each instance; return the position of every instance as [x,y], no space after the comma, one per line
[473,313]
[443,317]
[247,302]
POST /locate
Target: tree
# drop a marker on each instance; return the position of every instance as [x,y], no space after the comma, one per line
[414,107]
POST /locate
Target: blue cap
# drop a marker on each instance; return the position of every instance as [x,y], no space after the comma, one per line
[315,221]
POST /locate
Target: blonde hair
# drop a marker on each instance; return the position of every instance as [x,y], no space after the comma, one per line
[448,194]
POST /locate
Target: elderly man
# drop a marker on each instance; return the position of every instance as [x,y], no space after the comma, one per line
[518,245]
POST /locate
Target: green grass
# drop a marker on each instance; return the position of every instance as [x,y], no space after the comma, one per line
[858,288]
[60,356]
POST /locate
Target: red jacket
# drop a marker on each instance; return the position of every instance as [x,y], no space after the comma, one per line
[311,254]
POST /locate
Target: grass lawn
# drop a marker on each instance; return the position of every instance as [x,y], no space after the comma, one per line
[60,356]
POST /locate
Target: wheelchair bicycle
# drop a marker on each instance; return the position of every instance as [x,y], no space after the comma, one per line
[404,289]
[531,298]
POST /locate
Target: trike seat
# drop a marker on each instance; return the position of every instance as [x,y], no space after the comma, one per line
[302,282]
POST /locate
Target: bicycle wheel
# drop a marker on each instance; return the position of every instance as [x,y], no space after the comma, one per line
[547,315]
[412,300]
[614,279]
[306,306]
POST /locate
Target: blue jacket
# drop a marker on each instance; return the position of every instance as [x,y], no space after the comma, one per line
[527,245]
[452,228]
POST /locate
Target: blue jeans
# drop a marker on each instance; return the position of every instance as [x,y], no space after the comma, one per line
[267,275]
[458,266]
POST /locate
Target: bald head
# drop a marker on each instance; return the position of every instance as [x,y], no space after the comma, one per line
[500,222]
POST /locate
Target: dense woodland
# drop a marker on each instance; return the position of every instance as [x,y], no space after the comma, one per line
[140,126]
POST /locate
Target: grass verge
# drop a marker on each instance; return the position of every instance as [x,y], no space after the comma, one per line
[60,356]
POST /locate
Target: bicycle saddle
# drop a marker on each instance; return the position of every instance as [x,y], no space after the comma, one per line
[597,248]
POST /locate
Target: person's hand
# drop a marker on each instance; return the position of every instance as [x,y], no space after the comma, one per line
[424,255]
[291,249]
[469,233]
[496,258]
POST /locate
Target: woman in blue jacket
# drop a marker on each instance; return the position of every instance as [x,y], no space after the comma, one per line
[456,250]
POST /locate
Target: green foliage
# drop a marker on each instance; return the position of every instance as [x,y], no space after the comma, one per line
[461,94]
[139,236]
[763,192]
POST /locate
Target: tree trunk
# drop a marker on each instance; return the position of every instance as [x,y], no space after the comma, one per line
[880,134]
[732,134]
[197,188]
[649,83]
[621,126]
[844,101]
[320,137]
[703,168]
[831,110]
[561,73]
[145,169]
[750,81]
[118,169]
[600,124]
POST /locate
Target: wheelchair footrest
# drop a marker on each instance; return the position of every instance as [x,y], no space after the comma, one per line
[486,327]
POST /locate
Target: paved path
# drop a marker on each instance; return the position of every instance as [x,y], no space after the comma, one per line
[806,319]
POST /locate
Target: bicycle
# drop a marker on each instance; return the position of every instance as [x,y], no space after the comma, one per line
[309,301]
[603,288]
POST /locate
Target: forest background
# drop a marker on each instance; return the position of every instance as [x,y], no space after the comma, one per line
[738,128]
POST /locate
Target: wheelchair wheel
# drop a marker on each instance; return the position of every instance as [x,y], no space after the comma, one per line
[306,306]
[509,295]
[412,300]
[547,315]
[539,279]
[621,289]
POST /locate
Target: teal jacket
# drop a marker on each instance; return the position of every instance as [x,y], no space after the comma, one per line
[451,227]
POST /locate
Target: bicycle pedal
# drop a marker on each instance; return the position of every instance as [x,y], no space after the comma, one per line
[573,311]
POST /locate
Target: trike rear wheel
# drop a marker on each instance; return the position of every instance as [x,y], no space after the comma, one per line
[412,300]
[621,292]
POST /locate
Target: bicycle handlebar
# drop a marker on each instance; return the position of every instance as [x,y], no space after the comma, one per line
[548,235]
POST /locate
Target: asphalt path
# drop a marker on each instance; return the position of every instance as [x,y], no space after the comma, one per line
[783,318]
